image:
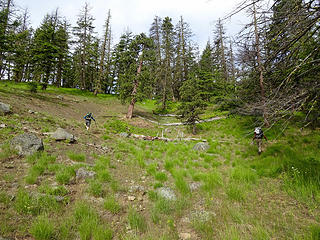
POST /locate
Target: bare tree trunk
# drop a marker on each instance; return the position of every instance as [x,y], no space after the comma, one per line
[261,78]
[134,91]
[102,57]
[224,63]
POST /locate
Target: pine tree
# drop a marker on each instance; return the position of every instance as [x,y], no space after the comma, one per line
[84,40]
[105,53]
[192,103]
[168,54]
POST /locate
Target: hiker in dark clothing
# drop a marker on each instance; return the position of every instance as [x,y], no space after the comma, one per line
[88,119]
[258,135]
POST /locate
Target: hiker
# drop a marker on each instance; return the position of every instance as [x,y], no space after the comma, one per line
[258,135]
[88,119]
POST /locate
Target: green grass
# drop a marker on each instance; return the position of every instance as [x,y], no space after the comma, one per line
[64,174]
[78,157]
[89,224]
[112,205]
[40,161]
[42,228]
[28,204]
[96,188]
[137,221]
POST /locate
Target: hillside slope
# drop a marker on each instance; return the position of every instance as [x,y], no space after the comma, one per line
[143,189]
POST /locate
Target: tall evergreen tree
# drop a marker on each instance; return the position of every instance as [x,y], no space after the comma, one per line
[84,40]
[168,54]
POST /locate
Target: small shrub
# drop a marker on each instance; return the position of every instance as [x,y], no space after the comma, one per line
[112,205]
[137,221]
[42,229]
[33,87]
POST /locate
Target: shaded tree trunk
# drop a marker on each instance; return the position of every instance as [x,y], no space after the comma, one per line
[134,91]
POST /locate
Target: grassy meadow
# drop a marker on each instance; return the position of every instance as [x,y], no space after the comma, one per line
[225,192]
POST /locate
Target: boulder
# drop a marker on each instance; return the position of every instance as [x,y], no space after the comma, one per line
[167,193]
[201,146]
[4,108]
[60,134]
[83,173]
[27,144]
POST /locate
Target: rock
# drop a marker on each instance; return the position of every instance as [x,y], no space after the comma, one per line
[136,188]
[83,173]
[202,216]
[61,134]
[167,193]
[201,146]
[131,198]
[3,125]
[27,143]
[185,236]
[124,135]
[4,108]
[60,97]
[32,112]
[195,185]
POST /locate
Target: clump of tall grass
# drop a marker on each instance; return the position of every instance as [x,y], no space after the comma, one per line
[88,223]
[78,157]
[137,221]
[40,163]
[42,228]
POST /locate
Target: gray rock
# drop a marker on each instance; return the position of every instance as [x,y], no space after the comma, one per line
[167,193]
[202,216]
[27,144]
[4,108]
[124,135]
[195,185]
[83,173]
[61,134]
[3,125]
[201,146]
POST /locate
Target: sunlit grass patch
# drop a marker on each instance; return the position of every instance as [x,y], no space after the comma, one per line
[211,181]
[236,192]
[42,228]
[88,223]
[28,204]
[78,157]
[95,188]
[112,205]
[137,221]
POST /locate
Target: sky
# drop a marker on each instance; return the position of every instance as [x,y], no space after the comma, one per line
[137,15]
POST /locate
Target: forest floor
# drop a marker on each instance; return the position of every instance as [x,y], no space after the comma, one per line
[225,192]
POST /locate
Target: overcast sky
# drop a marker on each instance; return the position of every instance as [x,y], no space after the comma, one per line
[137,15]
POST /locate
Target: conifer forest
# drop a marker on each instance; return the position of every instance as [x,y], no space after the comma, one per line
[154,95]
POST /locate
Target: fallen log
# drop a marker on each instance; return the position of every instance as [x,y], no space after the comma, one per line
[181,123]
[150,138]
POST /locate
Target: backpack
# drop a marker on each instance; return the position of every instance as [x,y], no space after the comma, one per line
[259,133]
